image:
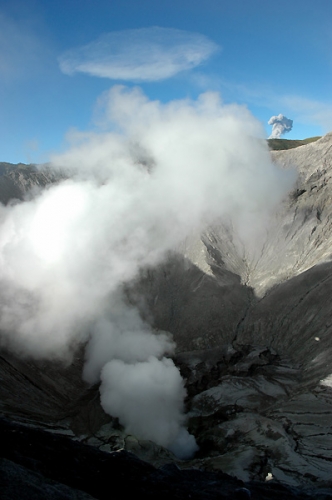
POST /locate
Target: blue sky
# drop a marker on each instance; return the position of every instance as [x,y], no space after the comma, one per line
[58,57]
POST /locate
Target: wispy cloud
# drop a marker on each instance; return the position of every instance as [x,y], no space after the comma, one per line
[310,110]
[147,54]
[303,109]
[21,52]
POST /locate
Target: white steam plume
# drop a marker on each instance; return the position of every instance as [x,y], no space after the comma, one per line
[135,194]
[280,125]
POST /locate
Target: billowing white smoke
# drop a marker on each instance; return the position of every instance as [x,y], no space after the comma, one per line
[137,190]
[138,385]
[280,125]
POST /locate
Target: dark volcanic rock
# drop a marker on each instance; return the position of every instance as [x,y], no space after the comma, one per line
[17,482]
[37,463]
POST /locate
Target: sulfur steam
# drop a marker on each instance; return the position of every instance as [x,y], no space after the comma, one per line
[280,125]
[155,174]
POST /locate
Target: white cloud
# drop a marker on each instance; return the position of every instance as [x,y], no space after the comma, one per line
[147,54]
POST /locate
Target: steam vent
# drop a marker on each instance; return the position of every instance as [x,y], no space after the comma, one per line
[244,330]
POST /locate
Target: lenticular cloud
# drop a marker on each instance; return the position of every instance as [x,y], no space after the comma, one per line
[131,197]
[146,54]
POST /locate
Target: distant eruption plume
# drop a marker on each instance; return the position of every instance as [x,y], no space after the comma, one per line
[156,174]
[280,125]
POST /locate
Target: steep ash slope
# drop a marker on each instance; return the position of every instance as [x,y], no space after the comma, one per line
[301,235]
[296,238]
[253,331]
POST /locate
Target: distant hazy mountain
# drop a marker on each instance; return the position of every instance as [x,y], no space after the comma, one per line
[17,180]
[277,144]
